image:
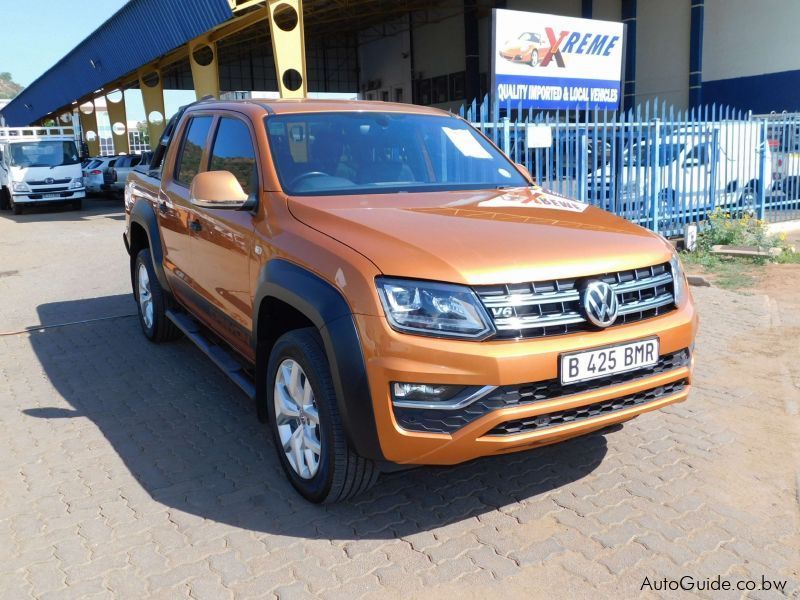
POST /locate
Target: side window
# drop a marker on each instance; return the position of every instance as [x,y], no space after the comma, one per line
[233,151]
[698,156]
[191,153]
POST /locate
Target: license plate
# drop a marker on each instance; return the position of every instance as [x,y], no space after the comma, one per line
[602,362]
[51,195]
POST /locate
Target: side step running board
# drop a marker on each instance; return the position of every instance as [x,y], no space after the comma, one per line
[218,354]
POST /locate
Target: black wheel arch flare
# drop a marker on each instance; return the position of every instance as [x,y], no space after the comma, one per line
[327,309]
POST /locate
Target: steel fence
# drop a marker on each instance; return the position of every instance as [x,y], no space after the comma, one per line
[654,165]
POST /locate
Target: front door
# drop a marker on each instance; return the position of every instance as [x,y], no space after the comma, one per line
[222,241]
[175,213]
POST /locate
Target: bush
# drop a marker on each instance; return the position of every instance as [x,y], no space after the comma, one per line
[723,229]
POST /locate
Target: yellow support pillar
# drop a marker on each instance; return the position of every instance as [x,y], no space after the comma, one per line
[288,46]
[88,117]
[117,115]
[205,67]
[153,97]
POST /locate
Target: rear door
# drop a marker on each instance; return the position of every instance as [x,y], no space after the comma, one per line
[175,212]
[222,242]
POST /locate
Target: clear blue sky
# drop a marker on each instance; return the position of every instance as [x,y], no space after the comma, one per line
[38,33]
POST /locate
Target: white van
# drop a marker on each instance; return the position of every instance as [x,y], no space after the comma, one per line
[700,168]
[39,165]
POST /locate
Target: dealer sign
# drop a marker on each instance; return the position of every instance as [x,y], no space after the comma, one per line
[548,61]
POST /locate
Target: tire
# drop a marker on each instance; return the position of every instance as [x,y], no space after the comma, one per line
[749,199]
[534,58]
[16,208]
[340,473]
[5,199]
[153,320]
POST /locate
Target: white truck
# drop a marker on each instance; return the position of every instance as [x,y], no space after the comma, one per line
[698,168]
[39,165]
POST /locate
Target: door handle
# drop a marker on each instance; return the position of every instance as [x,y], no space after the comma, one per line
[195,226]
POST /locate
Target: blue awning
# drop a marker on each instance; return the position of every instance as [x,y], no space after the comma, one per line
[137,34]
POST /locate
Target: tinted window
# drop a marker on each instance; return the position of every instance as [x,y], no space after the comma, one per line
[699,155]
[192,149]
[233,151]
[377,153]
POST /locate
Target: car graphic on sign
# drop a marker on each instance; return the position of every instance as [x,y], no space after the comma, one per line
[528,48]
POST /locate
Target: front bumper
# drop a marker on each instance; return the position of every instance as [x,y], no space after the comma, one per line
[391,356]
[45,197]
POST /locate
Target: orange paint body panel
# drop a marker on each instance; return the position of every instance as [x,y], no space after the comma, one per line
[473,238]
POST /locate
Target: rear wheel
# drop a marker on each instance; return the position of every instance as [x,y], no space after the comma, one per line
[305,425]
[151,301]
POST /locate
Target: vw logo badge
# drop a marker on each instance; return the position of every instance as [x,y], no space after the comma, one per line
[49,181]
[600,303]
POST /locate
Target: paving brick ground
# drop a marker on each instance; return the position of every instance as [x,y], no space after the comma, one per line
[129,470]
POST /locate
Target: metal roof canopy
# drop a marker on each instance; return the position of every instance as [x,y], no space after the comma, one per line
[144,32]
[137,34]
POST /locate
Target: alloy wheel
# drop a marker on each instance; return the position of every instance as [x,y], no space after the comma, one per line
[145,296]
[297,419]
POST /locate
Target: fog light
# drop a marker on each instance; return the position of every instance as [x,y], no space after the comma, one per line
[424,392]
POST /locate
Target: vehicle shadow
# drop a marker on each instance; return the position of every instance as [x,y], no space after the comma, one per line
[93,206]
[192,441]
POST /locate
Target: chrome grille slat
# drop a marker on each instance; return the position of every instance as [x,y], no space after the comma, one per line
[546,308]
[643,305]
[536,321]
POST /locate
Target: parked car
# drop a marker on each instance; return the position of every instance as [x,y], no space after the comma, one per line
[94,171]
[392,290]
[528,48]
[115,176]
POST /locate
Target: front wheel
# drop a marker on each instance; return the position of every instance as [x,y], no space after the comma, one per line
[534,58]
[15,208]
[305,424]
[5,199]
[151,301]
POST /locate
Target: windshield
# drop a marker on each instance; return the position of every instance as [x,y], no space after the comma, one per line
[379,153]
[43,154]
[639,155]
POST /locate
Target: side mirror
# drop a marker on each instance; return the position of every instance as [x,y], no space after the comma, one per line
[217,189]
[524,170]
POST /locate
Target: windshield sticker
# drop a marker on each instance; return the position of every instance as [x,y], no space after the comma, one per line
[536,199]
[466,143]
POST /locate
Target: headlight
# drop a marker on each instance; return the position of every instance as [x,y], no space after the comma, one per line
[76,183]
[20,186]
[437,309]
[678,279]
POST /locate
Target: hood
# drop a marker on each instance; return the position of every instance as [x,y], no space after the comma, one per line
[482,237]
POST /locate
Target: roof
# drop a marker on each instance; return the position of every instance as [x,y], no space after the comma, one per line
[137,34]
[316,105]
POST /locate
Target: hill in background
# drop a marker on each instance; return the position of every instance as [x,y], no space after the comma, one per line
[8,87]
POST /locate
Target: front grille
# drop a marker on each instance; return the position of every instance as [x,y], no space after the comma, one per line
[528,310]
[48,190]
[449,421]
[589,411]
[55,181]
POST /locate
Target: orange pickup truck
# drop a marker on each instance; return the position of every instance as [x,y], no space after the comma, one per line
[392,290]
